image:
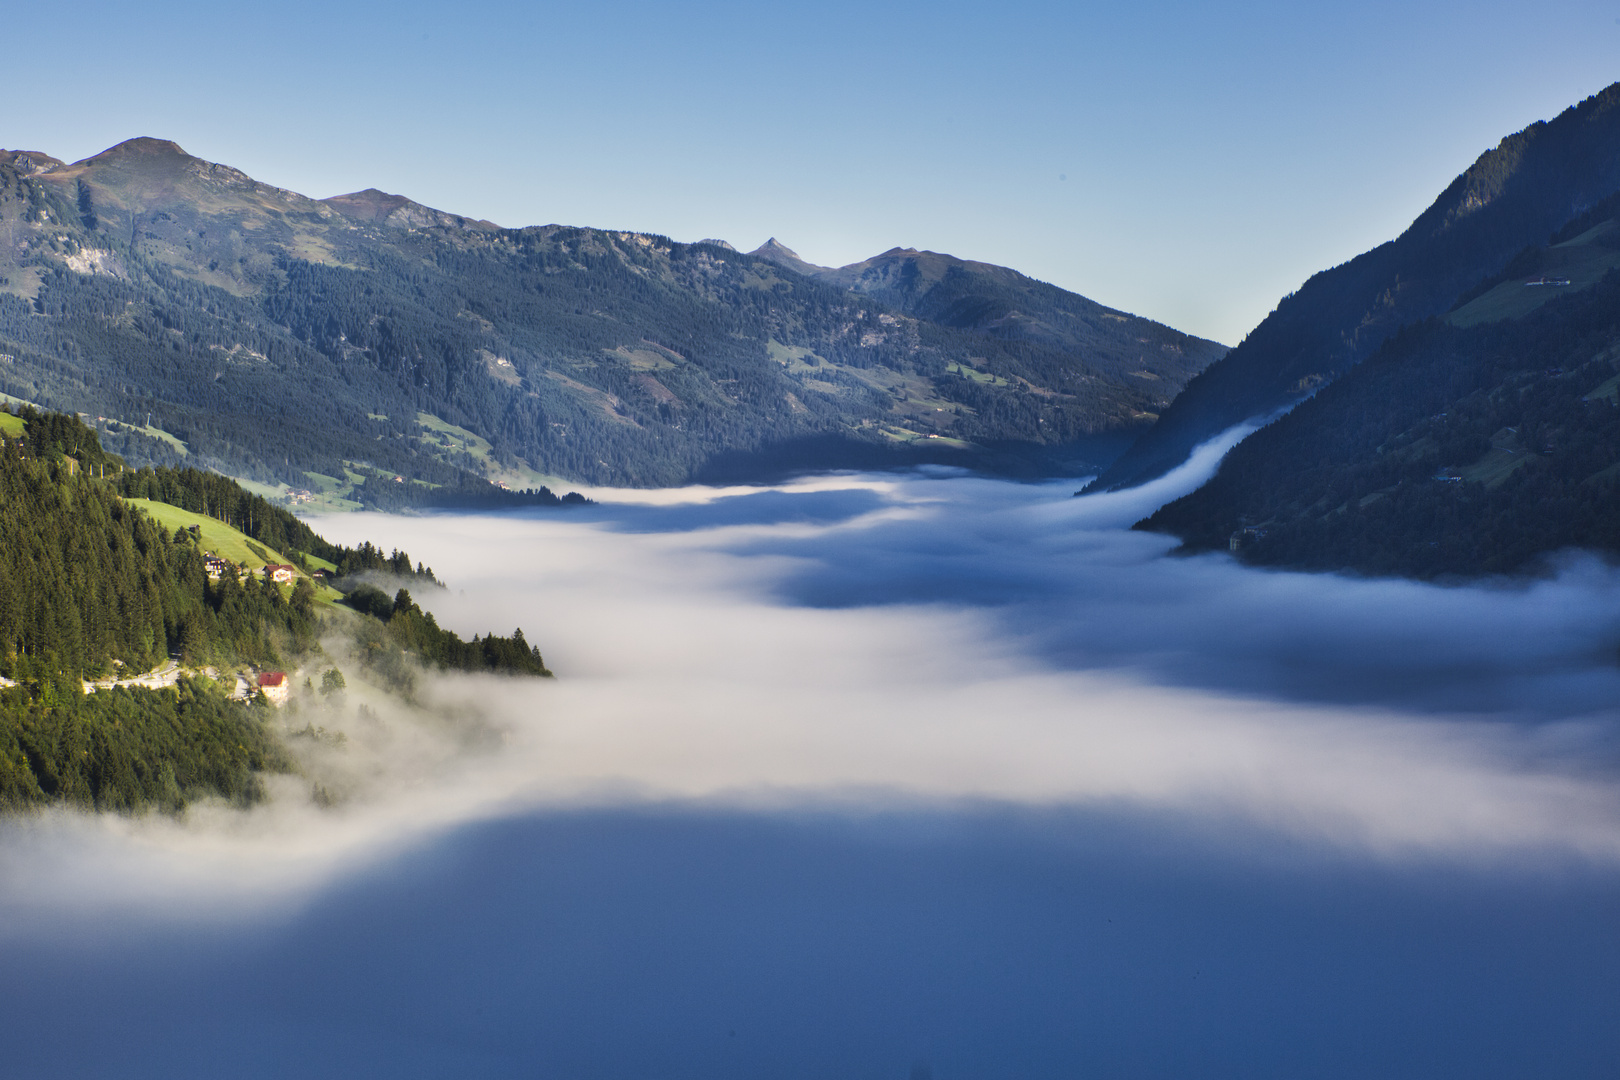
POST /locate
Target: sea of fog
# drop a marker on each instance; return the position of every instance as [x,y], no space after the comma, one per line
[921,776]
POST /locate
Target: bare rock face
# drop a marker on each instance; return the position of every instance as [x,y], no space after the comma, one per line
[29,162]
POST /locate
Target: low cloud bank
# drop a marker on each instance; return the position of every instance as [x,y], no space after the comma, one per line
[931,639]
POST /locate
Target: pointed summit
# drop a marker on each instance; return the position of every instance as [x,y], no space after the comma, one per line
[784,256]
[774,247]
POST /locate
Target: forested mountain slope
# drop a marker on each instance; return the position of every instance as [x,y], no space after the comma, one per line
[296,341]
[1476,443]
[1511,199]
[1005,304]
[92,587]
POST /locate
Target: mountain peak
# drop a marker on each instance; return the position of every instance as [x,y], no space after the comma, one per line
[143,146]
[779,253]
[375,207]
[774,247]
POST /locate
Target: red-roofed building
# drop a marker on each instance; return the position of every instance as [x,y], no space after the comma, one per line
[275,687]
[280,573]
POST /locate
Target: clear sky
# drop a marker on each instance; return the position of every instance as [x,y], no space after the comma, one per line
[1186,161]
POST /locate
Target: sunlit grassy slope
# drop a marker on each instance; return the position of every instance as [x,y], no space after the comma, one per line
[216,536]
[228,543]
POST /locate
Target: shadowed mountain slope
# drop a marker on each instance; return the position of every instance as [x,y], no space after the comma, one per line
[1512,198]
[1478,442]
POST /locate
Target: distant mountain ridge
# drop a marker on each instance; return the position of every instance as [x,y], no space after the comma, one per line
[1510,199]
[997,301]
[307,342]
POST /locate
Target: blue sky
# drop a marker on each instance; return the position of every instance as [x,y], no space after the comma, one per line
[1189,162]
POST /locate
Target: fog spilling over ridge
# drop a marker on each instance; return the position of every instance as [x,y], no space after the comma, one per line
[931,640]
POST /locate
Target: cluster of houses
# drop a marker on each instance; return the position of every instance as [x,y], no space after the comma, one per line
[274,685]
[280,573]
[300,495]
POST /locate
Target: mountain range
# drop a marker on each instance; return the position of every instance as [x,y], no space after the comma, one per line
[335,344]
[1443,404]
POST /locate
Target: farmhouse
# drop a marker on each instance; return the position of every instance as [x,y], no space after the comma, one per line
[274,686]
[214,566]
[280,573]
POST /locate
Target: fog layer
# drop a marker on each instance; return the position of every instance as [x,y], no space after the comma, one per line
[858,640]
[877,777]
[927,639]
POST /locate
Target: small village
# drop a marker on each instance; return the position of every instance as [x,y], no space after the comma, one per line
[275,686]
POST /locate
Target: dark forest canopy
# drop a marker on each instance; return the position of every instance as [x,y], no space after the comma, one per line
[418,632]
[132,750]
[1452,451]
[92,587]
[86,580]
